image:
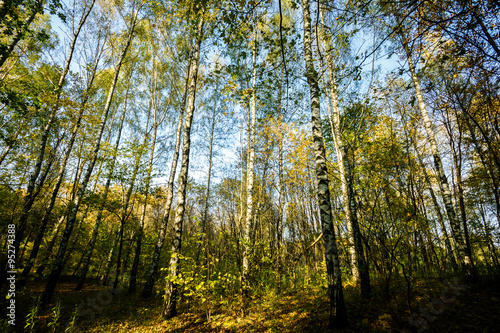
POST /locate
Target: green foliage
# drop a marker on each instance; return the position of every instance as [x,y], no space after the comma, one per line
[204,285]
[381,129]
[32,317]
[56,314]
[72,323]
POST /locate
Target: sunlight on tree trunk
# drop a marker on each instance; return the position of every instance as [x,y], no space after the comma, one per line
[171,292]
[337,313]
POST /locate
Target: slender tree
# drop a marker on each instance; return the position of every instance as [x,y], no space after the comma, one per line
[140,233]
[153,269]
[337,313]
[250,191]
[464,257]
[359,264]
[62,168]
[58,265]
[170,301]
[31,191]
[210,155]
[114,157]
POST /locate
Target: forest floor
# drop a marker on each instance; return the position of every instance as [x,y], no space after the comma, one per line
[437,306]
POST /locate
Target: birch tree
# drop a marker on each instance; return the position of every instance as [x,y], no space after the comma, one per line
[359,265]
[464,256]
[62,169]
[111,170]
[149,169]
[337,312]
[171,292]
[31,192]
[250,192]
[58,265]
[153,269]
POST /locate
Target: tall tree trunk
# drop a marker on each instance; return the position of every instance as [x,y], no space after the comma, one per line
[281,194]
[121,231]
[337,313]
[238,225]
[210,149]
[489,238]
[140,233]
[95,231]
[50,246]
[447,242]
[359,265]
[456,150]
[109,261]
[487,166]
[464,257]
[58,267]
[153,269]
[247,227]
[123,219]
[131,241]
[80,261]
[74,241]
[170,301]
[31,192]
[60,176]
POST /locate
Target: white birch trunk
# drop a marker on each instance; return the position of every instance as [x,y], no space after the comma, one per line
[337,313]
[464,258]
[170,301]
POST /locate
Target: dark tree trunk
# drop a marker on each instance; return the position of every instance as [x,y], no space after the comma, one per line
[59,264]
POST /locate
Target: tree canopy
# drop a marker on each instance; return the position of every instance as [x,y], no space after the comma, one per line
[218,154]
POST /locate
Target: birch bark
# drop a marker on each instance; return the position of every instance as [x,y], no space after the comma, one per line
[153,268]
[58,266]
[170,301]
[31,191]
[247,227]
[464,257]
[359,265]
[337,311]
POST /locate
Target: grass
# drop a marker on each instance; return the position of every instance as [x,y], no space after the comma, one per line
[474,308]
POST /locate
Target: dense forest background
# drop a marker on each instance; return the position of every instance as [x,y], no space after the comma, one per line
[256,166]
